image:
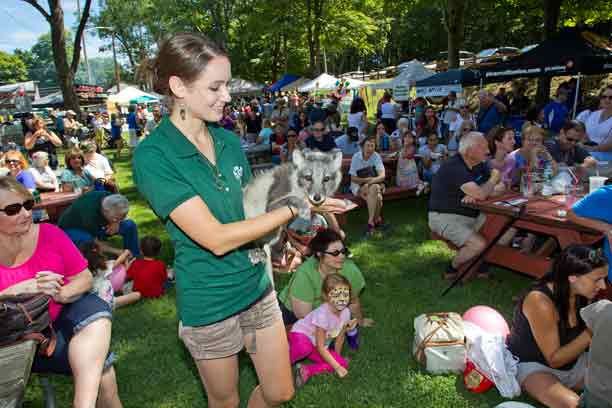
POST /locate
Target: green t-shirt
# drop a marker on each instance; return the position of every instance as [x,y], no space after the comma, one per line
[169,170]
[85,213]
[306,283]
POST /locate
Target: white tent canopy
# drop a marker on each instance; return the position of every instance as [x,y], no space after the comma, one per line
[410,73]
[326,81]
[242,86]
[130,95]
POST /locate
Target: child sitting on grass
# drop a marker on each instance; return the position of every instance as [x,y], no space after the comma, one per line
[149,275]
[102,269]
[311,336]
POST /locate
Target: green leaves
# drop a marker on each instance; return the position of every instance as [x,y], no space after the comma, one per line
[12,68]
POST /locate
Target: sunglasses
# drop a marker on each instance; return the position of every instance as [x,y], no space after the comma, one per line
[13,161]
[14,209]
[344,251]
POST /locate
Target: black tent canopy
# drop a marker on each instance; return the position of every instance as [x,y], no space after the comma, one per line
[569,52]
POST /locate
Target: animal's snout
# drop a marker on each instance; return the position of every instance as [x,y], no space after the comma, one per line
[317,198]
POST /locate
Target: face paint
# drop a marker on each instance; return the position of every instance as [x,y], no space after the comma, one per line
[339,297]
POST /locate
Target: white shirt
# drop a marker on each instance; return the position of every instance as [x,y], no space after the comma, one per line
[598,132]
[46,176]
[358,163]
[388,110]
[450,113]
[356,120]
[425,152]
[99,167]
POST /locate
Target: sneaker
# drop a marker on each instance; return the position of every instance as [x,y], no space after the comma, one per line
[298,376]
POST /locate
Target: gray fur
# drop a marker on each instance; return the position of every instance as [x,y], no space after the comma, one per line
[293,183]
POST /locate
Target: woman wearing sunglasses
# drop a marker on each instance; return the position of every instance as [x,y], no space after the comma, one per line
[40,258]
[17,165]
[302,294]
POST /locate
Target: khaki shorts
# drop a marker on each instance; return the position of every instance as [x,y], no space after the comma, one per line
[570,378]
[227,337]
[454,227]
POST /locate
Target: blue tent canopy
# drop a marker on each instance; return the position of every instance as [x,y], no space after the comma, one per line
[285,80]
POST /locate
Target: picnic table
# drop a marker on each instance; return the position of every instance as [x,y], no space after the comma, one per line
[257,154]
[56,203]
[542,215]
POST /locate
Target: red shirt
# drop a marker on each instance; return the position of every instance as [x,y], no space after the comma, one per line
[148,276]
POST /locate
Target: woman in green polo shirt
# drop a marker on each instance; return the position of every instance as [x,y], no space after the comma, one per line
[191,171]
[303,292]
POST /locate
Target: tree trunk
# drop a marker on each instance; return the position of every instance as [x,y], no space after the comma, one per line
[552,9]
[65,71]
[318,20]
[454,23]
[311,45]
[58,42]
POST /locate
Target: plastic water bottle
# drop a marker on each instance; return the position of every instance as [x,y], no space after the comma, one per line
[352,338]
[547,188]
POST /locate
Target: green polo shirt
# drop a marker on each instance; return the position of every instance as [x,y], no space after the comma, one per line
[169,170]
[85,213]
[306,283]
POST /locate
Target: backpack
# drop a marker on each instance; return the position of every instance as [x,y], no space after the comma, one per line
[25,317]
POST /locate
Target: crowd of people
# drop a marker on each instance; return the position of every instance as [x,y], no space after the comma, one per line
[189,164]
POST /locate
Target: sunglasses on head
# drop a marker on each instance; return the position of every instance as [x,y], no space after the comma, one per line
[14,209]
[344,251]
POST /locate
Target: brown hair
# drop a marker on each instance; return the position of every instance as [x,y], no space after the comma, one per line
[8,183]
[527,130]
[322,240]
[150,246]
[16,153]
[332,281]
[497,135]
[184,55]
[72,153]
[38,121]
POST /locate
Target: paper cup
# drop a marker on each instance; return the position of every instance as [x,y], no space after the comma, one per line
[595,182]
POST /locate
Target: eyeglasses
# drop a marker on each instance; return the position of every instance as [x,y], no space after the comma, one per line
[14,209]
[13,161]
[344,251]
[317,129]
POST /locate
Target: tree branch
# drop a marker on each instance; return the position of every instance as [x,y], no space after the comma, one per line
[76,53]
[34,3]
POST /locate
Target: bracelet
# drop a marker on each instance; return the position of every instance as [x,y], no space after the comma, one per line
[291,209]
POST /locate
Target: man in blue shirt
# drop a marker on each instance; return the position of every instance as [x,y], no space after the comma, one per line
[595,211]
[491,112]
[555,113]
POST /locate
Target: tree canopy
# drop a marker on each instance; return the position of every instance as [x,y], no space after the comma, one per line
[12,68]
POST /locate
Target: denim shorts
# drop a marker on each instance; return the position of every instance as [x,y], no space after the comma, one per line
[73,318]
[229,336]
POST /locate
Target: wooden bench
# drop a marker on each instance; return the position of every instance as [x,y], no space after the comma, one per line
[15,365]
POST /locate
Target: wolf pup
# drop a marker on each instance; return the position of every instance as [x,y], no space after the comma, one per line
[312,175]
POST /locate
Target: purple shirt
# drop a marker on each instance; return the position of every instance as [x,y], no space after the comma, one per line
[26,178]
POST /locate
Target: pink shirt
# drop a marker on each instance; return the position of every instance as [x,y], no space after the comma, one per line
[54,252]
[325,319]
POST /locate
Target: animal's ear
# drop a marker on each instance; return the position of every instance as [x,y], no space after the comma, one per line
[298,157]
[337,157]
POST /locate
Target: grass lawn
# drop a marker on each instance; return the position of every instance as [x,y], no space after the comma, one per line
[403,274]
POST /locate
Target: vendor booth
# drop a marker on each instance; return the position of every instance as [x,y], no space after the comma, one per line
[238,86]
[287,79]
[444,82]
[328,82]
[412,72]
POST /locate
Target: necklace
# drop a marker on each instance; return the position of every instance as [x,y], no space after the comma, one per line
[218,177]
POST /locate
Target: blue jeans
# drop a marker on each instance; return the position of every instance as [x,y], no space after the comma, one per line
[127,229]
[72,319]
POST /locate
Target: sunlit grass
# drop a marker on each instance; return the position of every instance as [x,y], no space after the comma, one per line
[403,273]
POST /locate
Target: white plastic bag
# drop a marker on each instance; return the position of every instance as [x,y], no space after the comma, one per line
[490,355]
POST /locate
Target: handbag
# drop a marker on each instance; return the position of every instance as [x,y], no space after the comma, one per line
[25,317]
[366,172]
[439,342]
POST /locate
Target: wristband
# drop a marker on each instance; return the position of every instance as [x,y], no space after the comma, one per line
[291,209]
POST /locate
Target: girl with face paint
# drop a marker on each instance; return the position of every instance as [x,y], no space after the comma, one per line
[311,336]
